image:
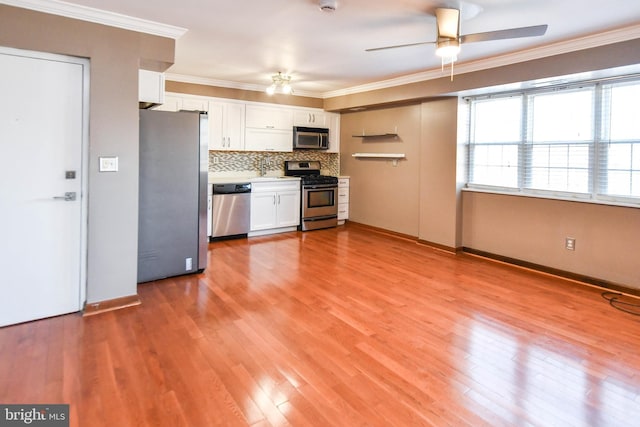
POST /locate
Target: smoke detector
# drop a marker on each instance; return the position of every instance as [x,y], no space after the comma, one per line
[328,5]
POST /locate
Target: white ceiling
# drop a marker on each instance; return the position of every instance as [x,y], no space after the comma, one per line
[241,43]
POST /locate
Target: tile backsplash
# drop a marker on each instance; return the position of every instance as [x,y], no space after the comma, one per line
[221,162]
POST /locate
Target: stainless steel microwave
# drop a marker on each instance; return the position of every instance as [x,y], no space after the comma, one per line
[305,138]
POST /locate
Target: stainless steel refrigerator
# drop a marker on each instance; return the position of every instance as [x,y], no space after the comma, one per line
[172,221]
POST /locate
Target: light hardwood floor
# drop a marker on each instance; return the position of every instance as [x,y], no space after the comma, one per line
[338,327]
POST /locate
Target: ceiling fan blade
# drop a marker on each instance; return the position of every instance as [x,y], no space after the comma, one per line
[448,21]
[511,33]
[397,46]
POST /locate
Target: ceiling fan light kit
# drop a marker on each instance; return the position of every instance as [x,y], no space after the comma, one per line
[328,5]
[448,48]
[282,82]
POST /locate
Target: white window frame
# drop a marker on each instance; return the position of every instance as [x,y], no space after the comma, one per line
[597,150]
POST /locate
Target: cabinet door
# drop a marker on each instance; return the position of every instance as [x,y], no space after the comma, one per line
[217,139]
[193,104]
[288,208]
[333,122]
[263,211]
[150,86]
[269,118]
[226,126]
[268,140]
[171,103]
[317,119]
[234,125]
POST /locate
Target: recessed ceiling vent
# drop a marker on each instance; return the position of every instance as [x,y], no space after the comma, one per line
[328,5]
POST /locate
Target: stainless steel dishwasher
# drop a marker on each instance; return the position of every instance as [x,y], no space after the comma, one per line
[231,213]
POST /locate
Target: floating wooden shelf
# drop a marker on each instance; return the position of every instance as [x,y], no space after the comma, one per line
[393,156]
[380,155]
[377,135]
[393,134]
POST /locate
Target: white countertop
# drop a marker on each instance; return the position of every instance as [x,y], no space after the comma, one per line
[239,179]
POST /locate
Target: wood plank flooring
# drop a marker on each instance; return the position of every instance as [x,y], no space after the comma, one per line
[338,327]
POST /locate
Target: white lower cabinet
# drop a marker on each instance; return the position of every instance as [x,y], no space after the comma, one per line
[343,200]
[275,206]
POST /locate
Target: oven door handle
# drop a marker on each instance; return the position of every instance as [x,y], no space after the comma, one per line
[320,186]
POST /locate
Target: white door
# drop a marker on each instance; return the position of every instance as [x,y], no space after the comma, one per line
[42,136]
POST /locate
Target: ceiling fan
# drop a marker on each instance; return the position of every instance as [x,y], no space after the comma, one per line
[448,40]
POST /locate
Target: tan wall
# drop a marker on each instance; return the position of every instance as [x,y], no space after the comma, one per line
[115,57]
[439,194]
[243,95]
[382,195]
[534,230]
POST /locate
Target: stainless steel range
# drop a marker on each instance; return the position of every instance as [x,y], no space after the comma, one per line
[319,195]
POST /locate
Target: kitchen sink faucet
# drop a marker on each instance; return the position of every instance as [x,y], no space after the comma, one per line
[264,162]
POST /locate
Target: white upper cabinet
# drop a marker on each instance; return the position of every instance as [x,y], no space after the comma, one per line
[226,126]
[177,103]
[236,125]
[308,118]
[150,87]
[194,104]
[259,117]
[268,129]
[333,123]
[171,103]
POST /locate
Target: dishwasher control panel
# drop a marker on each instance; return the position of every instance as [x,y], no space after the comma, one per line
[235,188]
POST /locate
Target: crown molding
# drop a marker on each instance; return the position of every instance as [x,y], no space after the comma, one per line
[231,85]
[84,13]
[558,48]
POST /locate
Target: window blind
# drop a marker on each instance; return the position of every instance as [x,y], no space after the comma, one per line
[579,141]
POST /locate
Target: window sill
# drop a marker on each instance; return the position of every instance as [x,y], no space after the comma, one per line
[517,193]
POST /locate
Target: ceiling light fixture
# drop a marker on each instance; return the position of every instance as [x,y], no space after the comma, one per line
[328,5]
[448,41]
[448,50]
[281,81]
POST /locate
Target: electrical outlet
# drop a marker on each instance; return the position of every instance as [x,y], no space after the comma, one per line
[570,244]
[216,160]
[188,264]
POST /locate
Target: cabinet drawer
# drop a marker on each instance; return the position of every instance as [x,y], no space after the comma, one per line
[343,211]
[343,182]
[289,185]
[343,194]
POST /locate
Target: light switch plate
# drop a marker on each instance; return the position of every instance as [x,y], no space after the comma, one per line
[108,164]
